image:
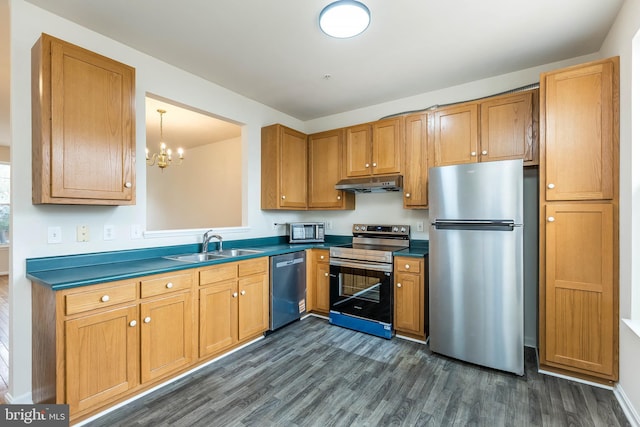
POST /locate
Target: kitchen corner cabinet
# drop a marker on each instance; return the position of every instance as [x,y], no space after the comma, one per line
[234,304]
[284,168]
[374,148]
[415,167]
[579,249]
[318,277]
[325,170]
[409,297]
[83,126]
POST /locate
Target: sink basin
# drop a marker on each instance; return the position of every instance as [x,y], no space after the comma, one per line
[197,257]
[200,257]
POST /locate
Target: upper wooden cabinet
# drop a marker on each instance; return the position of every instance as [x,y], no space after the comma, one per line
[284,168]
[83,126]
[580,155]
[325,170]
[374,148]
[415,164]
[496,128]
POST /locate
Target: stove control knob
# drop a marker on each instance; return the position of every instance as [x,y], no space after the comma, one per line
[403,230]
[357,227]
[395,229]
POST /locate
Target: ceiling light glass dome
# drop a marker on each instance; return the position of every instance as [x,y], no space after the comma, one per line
[344,18]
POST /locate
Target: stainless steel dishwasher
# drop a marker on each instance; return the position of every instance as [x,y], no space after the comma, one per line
[288,288]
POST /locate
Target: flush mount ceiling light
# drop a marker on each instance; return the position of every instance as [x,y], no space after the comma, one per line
[344,18]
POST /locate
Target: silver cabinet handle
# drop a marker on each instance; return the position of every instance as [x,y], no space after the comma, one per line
[243,292]
[551,219]
[473,153]
[283,197]
[321,256]
[375,164]
[399,285]
[133,323]
[326,274]
[127,184]
[407,195]
[484,152]
[169,285]
[104,298]
[234,295]
[339,197]
[366,165]
[407,266]
[147,319]
[551,186]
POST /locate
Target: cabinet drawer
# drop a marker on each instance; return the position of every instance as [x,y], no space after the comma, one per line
[100,298]
[165,284]
[322,256]
[253,266]
[219,273]
[408,265]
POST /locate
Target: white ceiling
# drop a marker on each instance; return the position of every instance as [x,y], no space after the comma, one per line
[274,52]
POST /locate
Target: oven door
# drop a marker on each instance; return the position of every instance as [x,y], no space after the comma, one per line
[361,289]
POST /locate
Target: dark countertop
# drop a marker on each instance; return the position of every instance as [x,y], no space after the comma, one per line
[63,272]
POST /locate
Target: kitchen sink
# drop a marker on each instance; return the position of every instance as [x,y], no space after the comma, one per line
[209,256]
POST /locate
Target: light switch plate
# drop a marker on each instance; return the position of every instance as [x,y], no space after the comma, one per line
[136,231]
[420,226]
[109,232]
[54,235]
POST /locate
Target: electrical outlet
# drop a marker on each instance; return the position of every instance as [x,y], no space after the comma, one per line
[82,233]
[329,225]
[54,235]
[136,231]
[109,232]
[420,226]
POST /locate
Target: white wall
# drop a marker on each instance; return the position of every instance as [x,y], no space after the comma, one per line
[620,42]
[30,222]
[5,156]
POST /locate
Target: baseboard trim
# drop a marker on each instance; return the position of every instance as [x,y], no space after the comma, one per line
[23,399]
[159,386]
[627,407]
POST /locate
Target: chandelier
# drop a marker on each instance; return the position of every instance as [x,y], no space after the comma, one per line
[163,158]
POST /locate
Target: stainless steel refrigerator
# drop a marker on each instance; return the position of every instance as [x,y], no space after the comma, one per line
[476,263]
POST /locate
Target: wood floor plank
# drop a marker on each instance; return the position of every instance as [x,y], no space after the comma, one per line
[311,373]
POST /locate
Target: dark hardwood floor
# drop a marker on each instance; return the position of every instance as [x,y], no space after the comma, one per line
[313,374]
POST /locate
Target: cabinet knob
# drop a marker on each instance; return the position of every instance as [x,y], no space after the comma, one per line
[407,266]
[147,319]
[407,195]
[133,323]
[473,153]
[127,184]
[551,219]
[375,164]
[366,165]
[169,285]
[283,197]
[339,197]
[484,152]
[104,298]
[321,256]
[326,274]
[551,186]
[399,285]
[234,295]
[243,292]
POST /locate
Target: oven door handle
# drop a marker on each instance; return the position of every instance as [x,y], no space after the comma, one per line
[387,268]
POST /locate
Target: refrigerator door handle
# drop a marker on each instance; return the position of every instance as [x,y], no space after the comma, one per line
[475,224]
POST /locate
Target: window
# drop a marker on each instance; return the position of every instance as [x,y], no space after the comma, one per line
[5,199]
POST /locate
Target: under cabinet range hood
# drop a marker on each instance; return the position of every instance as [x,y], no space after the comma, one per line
[374,184]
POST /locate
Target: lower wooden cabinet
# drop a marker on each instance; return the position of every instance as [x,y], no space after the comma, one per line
[318,281]
[409,297]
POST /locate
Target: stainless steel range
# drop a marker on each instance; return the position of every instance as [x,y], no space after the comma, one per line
[361,292]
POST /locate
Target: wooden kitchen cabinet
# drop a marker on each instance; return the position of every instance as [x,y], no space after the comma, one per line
[325,170]
[234,304]
[318,281]
[409,297]
[374,148]
[415,183]
[579,249]
[284,168]
[454,136]
[83,126]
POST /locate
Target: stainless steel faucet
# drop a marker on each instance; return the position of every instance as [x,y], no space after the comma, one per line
[206,238]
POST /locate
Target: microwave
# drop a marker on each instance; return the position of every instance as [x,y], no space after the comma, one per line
[306,232]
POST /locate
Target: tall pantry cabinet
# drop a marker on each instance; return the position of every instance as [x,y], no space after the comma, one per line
[579,168]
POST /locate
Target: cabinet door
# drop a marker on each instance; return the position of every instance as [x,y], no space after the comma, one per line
[325,170]
[455,135]
[358,150]
[580,314]
[253,306]
[408,315]
[101,357]
[507,128]
[578,111]
[415,162]
[322,287]
[386,152]
[92,127]
[293,169]
[218,317]
[166,342]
